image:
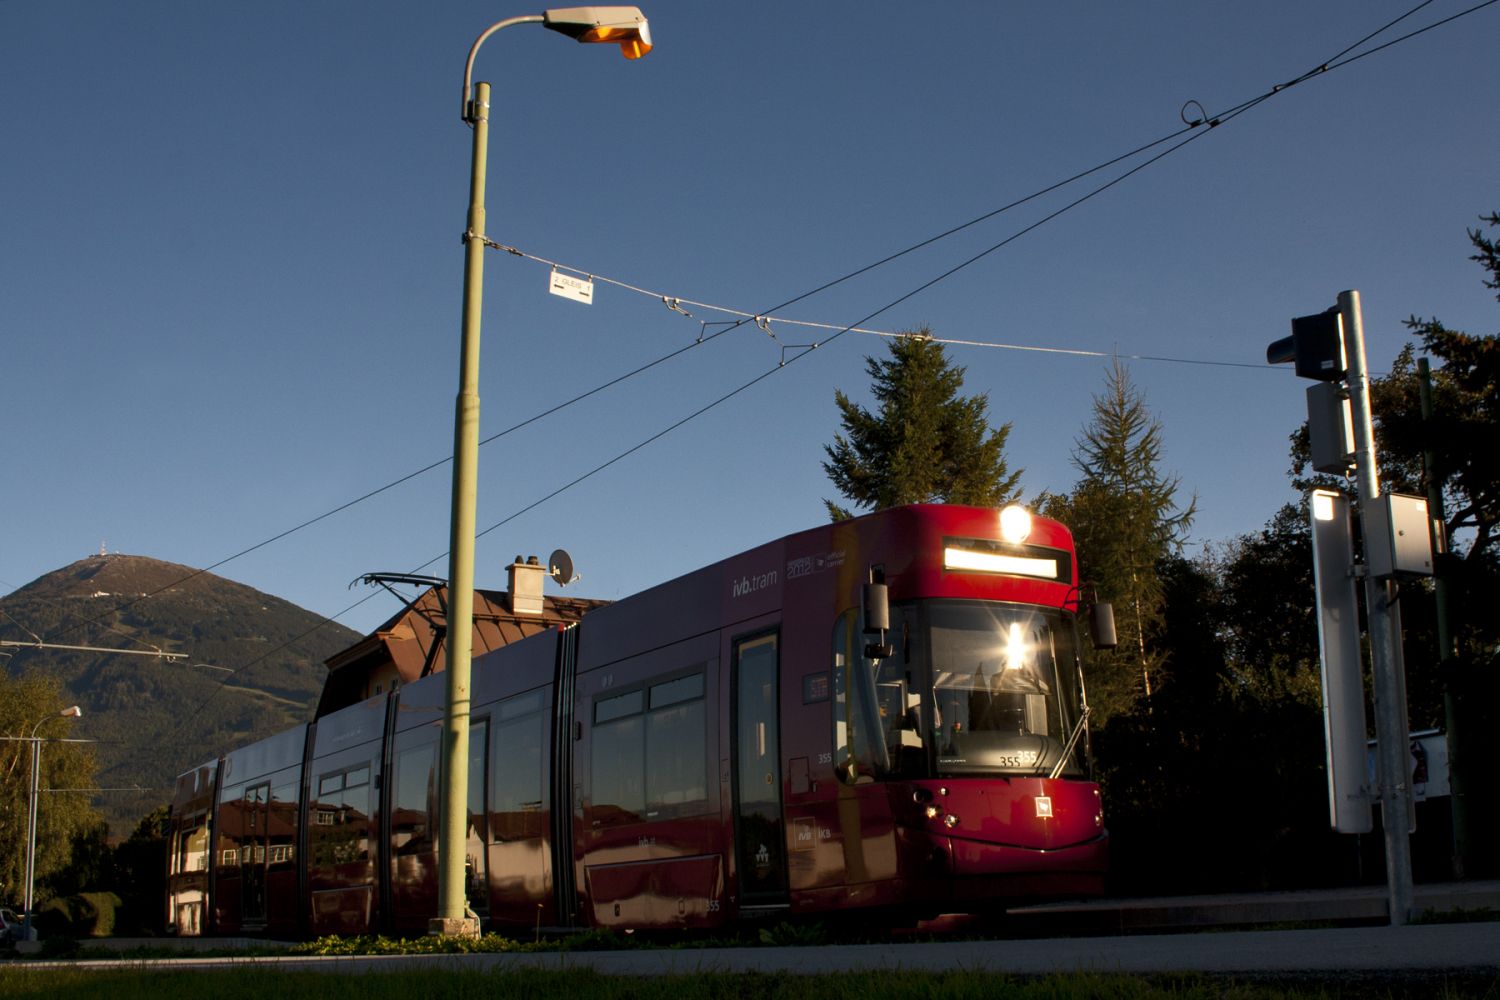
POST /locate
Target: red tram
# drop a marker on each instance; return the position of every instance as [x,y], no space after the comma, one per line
[742,741]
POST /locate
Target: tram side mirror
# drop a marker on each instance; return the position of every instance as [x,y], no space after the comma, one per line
[877,608]
[1102,625]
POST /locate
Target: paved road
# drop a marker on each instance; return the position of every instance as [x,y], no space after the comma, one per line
[1472,948]
[1350,904]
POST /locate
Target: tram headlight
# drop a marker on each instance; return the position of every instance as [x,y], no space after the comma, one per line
[1015,524]
[933,812]
[950,821]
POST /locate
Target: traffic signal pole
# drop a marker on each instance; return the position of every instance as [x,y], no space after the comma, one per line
[1391,730]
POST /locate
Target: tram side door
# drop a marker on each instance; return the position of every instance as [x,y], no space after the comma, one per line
[760,834]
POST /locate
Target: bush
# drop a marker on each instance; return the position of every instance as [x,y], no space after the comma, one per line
[87,914]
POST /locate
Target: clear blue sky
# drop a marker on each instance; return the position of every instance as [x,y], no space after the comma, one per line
[230,267]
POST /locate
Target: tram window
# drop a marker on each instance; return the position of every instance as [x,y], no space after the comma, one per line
[283,822]
[478,773]
[257,796]
[415,790]
[341,817]
[231,825]
[519,735]
[522,704]
[859,750]
[619,784]
[648,758]
[672,692]
[192,844]
[609,709]
[676,767]
[900,702]
[476,835]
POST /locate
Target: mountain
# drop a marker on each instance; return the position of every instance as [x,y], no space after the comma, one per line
[254,666]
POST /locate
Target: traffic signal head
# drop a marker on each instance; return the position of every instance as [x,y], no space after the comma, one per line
[1316,346]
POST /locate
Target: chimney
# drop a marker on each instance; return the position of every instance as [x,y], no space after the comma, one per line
[526,586]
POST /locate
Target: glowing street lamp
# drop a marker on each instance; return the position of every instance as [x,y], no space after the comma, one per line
[625,27]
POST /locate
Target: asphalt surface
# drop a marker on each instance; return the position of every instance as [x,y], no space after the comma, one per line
[1349,904]
[1468,949]
[1119,935]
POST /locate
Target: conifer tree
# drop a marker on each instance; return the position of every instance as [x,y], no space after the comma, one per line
[1125,521]
[924,443]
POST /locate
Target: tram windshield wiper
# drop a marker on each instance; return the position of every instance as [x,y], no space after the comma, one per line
[1062,760]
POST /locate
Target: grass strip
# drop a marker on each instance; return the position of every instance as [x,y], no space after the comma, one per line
[255,983]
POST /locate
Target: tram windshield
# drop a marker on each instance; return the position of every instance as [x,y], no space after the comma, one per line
[973,688]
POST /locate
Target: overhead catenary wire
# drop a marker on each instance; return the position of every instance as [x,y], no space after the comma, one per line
[1215,121]
[1212,123]
[670,302]
[224,682]
[763,321]
[1335,62]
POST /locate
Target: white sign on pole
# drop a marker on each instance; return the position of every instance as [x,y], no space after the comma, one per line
[1343,683]
[569,287]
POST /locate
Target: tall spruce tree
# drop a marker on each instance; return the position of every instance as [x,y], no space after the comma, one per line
[924,443]
[1125,521]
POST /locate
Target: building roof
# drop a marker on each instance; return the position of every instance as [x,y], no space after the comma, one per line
[409,645]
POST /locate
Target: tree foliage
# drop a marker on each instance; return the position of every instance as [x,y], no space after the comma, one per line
[1126,520]
[1460,438]
[924,443]
[1265,609]
[64,816]
[1233,743]
[139,873]
[1466,414]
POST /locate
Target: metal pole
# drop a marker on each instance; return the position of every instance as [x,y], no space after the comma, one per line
[1391,729]
[1447,662]
[36,771]
[458,643]
[453,808]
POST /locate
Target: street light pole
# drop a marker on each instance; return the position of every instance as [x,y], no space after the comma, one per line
[626,27]
[71,712]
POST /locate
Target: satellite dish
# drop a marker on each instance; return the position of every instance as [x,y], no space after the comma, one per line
[560,567]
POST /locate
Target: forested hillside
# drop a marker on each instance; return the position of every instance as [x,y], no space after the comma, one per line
[253,666]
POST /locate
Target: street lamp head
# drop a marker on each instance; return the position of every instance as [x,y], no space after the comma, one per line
[622,26]
[71,712]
